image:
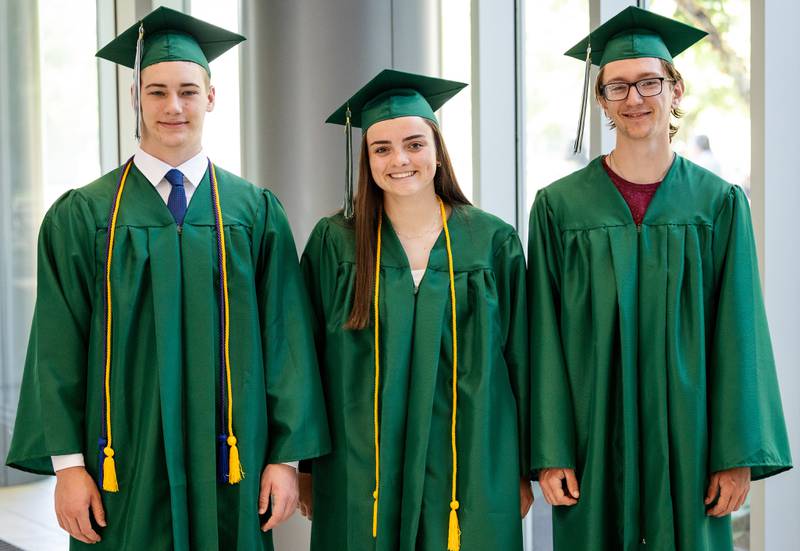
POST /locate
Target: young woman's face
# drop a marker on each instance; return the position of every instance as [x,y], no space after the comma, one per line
[402,155]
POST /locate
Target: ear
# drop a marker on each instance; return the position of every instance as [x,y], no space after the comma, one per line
[677,93]
[212,98]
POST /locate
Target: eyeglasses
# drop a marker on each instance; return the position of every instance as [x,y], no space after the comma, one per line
[647,87]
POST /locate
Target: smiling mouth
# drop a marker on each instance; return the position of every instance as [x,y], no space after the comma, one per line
[401,175]
[173,124]
[637,115]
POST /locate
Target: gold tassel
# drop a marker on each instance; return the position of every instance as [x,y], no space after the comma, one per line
[109,472]
[375,514]
[235,472]
[454,533]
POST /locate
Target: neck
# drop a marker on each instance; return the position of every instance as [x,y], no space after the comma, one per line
[173,157]
[641,161]
[410,213]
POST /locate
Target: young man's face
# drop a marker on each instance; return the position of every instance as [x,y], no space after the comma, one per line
[175,99]
[637,117]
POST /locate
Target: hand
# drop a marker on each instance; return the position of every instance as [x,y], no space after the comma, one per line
[279,484]
[559,486]
[525,495]
[75,494]
[306,497]
[730,488]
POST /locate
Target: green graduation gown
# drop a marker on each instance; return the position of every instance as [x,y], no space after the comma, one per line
[416,390]
[651,360]
[165,370]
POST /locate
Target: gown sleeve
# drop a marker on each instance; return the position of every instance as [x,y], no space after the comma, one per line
[510,272]
[298,425]
[552,417]
[746,422]
[311,268]
[52,402]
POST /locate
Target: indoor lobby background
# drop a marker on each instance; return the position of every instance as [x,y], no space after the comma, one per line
[66,118]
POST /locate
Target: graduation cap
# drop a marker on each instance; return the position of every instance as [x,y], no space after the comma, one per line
[389,95]
[167,35]
[632,33]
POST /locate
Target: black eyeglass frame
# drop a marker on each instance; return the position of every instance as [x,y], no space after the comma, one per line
[636,84]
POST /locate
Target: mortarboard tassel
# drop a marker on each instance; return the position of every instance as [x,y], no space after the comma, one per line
[137,83]
[348,184]
[582,120]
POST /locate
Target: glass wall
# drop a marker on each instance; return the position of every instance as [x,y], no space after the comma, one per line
[49,143]
[553,92]
[715,131]
[221,132]
[456,62]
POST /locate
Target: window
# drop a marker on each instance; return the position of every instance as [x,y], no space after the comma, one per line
[221,132]
[456,115]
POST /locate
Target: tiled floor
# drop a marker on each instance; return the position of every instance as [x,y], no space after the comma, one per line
[27,518]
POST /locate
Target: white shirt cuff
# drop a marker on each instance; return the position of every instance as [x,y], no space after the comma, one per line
[292,464]
[61,462]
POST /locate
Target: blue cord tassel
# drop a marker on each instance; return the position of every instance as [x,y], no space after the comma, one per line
[222,461]
[101,444]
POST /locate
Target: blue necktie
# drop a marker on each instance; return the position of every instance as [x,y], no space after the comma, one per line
[176,203]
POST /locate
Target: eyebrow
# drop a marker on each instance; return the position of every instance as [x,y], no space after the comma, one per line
[183,85]
[640,76]
[383,142]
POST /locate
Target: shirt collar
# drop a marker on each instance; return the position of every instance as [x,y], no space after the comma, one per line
[154,169]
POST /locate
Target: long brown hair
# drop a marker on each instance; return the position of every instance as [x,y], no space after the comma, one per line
[369,205]
[671,72]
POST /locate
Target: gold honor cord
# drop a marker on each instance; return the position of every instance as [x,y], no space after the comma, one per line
[454,531]
[377,378]
[110,483]
[235,472]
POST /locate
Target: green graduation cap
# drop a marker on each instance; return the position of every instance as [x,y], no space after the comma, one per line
[390,95]
[167,35]
[632,33]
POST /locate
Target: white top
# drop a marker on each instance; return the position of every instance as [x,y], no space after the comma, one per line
[155,170]
[416,275]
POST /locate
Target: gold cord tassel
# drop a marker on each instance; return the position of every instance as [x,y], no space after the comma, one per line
[375,514]
[235,472]
[109,471]
[454,531]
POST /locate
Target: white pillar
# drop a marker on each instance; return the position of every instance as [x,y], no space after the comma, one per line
[776,202]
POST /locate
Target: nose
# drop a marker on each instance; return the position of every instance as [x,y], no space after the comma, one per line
[173,105]
[634,97]
[400,156]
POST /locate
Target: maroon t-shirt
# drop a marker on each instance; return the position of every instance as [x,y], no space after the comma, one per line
[638,196]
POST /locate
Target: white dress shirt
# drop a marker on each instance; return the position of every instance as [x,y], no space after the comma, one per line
[155,170]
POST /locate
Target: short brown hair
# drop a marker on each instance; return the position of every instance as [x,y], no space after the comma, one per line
[671,72]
